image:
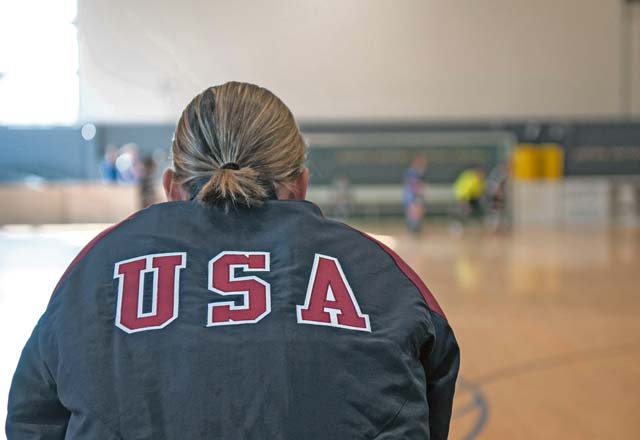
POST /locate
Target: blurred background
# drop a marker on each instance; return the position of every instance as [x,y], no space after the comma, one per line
[494,144]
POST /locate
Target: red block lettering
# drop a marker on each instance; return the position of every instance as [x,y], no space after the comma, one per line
[166,280]
[330,300]
[256,293]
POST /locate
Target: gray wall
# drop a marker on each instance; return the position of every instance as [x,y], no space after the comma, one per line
[362,59]
[591,147]
[58,153]
[633,49]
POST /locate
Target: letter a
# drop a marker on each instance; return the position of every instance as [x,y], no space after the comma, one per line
[330,300]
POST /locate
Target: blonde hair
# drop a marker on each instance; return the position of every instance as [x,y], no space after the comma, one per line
[243,139]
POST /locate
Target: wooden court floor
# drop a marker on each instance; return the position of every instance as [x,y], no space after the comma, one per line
[548,321]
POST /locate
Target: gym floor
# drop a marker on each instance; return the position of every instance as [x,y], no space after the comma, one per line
[547,320]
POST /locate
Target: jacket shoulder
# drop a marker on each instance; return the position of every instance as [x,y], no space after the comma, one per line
[385,251]
[133,221]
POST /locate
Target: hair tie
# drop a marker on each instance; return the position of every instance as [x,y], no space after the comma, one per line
[230,166]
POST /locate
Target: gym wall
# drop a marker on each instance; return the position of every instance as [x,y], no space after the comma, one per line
[360,59]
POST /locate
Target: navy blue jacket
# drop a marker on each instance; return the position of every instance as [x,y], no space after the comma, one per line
[188,322]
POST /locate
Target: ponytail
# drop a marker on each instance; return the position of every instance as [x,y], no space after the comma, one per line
[241,186]
[243,139]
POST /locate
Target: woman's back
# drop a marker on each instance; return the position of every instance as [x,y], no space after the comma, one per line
[236,311]
[280,377]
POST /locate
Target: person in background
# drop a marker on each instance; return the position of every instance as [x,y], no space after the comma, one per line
[108,169]
[341,197]
[128,164]
[469,189]
[496,197]
[148,182]
[413,193]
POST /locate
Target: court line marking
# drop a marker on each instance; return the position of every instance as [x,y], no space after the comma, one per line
[479,401]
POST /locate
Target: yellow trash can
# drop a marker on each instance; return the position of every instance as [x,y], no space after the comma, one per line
[526,162]
[552,161]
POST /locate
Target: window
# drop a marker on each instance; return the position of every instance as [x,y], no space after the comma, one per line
[38,62]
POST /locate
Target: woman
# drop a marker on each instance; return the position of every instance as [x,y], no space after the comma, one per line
[236,310]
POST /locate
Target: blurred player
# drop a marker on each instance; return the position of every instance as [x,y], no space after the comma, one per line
[108,169]
[341,198]
[469,189]
[496,189]
[128,164]
[148,182]
[236,310]
[413,194]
